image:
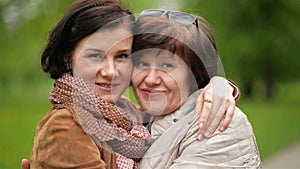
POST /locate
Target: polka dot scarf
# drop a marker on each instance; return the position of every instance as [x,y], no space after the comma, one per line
[101,120]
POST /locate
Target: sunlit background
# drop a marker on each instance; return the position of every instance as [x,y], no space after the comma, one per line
[258,42]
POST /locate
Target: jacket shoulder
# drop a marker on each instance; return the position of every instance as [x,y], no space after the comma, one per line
[61,142]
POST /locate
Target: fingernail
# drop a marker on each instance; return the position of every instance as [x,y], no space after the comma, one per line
[201,125]
[207,134]
[222,128]
[200,137]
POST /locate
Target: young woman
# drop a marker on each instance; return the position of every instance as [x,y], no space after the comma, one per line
[89,57]
[175,55]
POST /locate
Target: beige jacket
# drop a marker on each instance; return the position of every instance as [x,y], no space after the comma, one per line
[60,142]
[176,145]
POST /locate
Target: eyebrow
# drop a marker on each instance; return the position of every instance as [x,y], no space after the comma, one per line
[101,51]
[94,49]
[167,56]
[124,50]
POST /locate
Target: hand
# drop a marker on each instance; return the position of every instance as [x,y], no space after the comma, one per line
[214,102]
[25,164]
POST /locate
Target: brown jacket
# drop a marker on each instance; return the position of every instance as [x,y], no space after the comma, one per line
[60,142]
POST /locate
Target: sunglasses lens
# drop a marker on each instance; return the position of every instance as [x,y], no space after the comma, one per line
[152,13]
[182,18]
[178,17]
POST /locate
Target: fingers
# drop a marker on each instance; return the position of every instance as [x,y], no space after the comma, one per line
[213,123]
[229,109]
[202,111]
[216,106]
[228,116]
[219,94]
[25,164]
[215,112]
[204,119]
[224,108]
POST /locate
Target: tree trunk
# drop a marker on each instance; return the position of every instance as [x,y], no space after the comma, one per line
[269,87]
[248,89]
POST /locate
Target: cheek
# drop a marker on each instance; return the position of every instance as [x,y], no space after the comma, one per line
[184,85]
[175,92]
[172,82]
[183,78]
[125,70]
[84,70]
[137,78]
[180,85]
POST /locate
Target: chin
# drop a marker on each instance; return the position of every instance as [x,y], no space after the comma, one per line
[108,98]
[154,111]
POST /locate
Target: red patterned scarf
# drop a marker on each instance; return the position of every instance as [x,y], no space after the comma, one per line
[101,120]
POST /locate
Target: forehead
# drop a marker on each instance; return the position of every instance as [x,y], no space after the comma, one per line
[156,53]
[105,39]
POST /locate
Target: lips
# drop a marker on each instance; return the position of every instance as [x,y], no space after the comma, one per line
[152,92]
[105,86]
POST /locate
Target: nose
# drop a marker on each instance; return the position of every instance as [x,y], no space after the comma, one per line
[107,68]
[153,77]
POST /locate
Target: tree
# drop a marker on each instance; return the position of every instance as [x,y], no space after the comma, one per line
[24,28]
[258,40]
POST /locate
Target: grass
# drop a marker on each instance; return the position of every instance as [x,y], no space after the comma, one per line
[275,122]
[21,108]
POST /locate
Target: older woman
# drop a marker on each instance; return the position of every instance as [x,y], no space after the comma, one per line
[175,55]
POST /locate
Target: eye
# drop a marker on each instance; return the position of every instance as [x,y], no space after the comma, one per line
[142,65]
[167,66]
[94,56]
[122,56]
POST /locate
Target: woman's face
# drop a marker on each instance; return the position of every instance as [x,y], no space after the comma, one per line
[161,81]
[103,59]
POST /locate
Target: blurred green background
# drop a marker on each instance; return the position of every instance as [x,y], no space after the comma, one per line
[258,42]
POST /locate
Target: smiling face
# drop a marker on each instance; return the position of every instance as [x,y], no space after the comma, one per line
[161,81]
[103,60]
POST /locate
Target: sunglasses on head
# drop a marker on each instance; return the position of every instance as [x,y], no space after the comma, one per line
[175,16]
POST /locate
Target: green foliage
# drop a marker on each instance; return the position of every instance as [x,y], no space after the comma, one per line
[275,122]
[23,38]
[137,6]
[257,40]
[20,112]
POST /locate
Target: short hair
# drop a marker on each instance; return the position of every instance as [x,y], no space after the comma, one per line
[195,46]
[83,18]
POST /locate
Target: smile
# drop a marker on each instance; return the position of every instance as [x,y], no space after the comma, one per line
[105,86]
[152,93]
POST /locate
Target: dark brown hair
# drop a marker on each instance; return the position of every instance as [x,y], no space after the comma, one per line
[196,47]
[84,17]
